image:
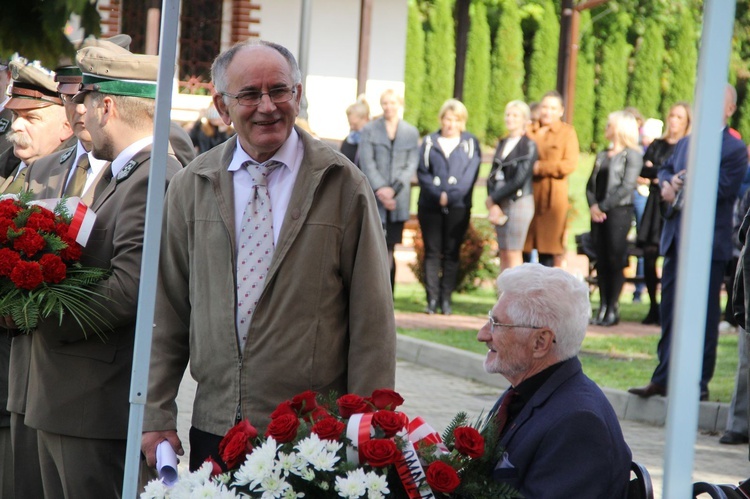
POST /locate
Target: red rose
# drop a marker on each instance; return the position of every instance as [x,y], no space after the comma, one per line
[30,242]
[379,452]
[9,208]
[390,422]
[318,414]
[304,402]
[73,252]
[53,269]
[27,275]
[8,260]
[469,442]
[283,408]
[329,428]
[5,225]
[283,428]
[442,477]
[237,443]
[351,404]
[386,399]
[39,221]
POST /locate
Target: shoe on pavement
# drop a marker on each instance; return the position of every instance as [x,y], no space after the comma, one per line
[649,390]
[733,438]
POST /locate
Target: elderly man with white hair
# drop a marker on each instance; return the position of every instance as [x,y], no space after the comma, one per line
[559,433]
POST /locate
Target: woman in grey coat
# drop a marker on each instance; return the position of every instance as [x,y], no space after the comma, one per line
[388,156]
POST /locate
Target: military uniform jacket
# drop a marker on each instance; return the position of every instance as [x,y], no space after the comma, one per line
[78,385]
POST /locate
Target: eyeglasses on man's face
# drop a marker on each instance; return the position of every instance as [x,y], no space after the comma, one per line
[252,98]
[493,324]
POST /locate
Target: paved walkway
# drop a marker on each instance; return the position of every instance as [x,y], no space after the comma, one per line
[437,396]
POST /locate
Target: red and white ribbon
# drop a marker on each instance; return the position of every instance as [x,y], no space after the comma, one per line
[422,433]
[358,431]
[82,221]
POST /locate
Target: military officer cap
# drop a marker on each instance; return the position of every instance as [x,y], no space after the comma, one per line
[116,73]
[33,86]
[69,78]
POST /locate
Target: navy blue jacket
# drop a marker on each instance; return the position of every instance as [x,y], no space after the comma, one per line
[566,442]
[455,175]
[732,169]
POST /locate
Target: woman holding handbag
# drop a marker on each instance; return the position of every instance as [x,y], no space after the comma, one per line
[448,167]
[609,193]
[509,193]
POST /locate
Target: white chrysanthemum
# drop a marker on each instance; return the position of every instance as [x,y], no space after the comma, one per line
[310,446]
[155,489]
[290,493]
[323,461]
[350,487]
[288,463]
[273,486]
[377,485]
[258,465]
[306,474]
[333,446]
[211,490]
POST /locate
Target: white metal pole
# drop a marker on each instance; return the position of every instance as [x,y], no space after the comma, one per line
[695,247]
[151,242]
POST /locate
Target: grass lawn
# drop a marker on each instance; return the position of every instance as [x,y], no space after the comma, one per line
[612,361]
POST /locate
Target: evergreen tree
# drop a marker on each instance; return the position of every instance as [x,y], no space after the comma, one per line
[682,62]
[585,91]
[477,75]
[507,72]
[440,62]
[613,78]
[414,71]
[743,121]
[543,63]
[645,82]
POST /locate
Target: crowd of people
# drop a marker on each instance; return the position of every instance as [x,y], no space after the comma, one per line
[277,268]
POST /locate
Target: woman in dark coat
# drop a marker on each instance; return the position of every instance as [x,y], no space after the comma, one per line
[609,193]
[678,125]
[448,167]
[509,196]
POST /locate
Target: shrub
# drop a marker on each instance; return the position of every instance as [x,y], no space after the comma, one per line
[585,96]
[477,258]
[414,70]
[543,63]
[508,71]
[477,75]
[440,64]
[645,83]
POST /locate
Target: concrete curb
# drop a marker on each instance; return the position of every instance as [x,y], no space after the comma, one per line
[712,416]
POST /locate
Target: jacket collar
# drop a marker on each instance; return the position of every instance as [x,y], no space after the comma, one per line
[567,370]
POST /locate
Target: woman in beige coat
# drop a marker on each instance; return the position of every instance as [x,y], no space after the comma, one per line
[557,145]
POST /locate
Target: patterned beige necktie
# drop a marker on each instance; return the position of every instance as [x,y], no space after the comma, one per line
[78,180]
[255,246]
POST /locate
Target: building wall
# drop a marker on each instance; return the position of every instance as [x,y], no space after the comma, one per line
[331,84]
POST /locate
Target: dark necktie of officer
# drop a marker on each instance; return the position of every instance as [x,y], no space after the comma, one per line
[502,412]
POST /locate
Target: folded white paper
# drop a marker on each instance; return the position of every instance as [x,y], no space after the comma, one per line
[166,463]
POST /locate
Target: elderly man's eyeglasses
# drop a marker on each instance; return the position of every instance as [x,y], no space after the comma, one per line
[252,98]
[493,324]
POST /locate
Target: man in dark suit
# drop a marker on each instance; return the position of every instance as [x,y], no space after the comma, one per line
[559,433]
[39,128]
[732,169]
[78,382]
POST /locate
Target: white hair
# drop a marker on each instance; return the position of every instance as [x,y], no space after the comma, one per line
[542,296]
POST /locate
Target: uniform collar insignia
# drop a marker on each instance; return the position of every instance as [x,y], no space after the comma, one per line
[67,154]
[4,122]
[127,170]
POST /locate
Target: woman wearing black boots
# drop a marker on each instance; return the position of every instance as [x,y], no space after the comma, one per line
[649,233]
[448,167]
[610,196]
